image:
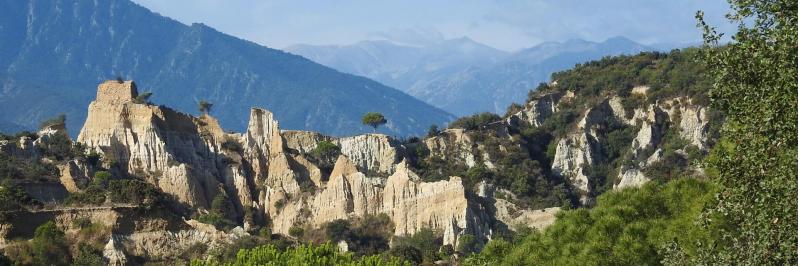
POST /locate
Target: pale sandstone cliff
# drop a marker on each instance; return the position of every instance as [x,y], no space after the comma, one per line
[193,159]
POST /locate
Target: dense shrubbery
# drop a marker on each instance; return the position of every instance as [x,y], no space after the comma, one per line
[475,122]
[325,254]
[368,235]
[627,227]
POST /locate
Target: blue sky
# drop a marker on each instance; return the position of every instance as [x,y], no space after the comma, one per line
[507,25]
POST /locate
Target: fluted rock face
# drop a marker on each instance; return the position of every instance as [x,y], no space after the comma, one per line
[371,152]
[579,150]
[175,151]
[268,170]
[537,111]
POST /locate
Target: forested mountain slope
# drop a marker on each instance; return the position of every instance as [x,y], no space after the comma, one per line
[52,53]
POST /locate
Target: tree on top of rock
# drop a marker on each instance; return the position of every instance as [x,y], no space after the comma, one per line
[374,119]
[204,106]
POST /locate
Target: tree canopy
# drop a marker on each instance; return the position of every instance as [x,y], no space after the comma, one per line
[374,119]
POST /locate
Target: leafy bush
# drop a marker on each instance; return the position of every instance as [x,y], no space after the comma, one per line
[135,191]
[88,256]
[323,255]
[296,231]
[49,245]
[475,122]
[627,227]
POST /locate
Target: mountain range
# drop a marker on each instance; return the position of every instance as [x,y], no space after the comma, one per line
[461,75]
[54,53]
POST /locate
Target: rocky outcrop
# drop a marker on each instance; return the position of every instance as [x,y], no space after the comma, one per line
[268,170]
[371,152]
[176,152]
[453,144]
[537,110]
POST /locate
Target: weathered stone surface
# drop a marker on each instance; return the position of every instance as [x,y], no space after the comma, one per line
[371,152]
[536,111]
[267,169]
[175,151]
[303,141]
[453,144]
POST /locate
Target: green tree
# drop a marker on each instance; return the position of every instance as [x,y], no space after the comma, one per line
[626,227]
[204,106]
[756,87]
[49,245]
[374,119]
[324,255]
[296,231]
[88,256]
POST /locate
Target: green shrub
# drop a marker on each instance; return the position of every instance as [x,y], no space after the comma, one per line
[296,231]
[626,227]
[475,122]
[324,255]
[49,245]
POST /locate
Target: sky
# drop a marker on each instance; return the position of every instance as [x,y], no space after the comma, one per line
[508,24]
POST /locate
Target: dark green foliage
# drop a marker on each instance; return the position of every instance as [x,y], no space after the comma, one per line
[93,195]
[667,74]
[13,197]
[426,241]
[433,131]
[296,231]
[475,122]
[324,255]
[371,234]
[337,230]
[88,256]
[26,169]
[49,245]
[756,87]
[407,253]
[204,106]
[232,145]
[324,155]
[133,191]
[221,210]
[466,244]
[143,98]
[374,119]
[626,227]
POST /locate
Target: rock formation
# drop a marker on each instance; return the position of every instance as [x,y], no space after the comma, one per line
[268,171]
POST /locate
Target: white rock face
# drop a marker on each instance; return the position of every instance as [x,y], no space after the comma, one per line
[578,151]
[371,152]
[537,111]
[268,169]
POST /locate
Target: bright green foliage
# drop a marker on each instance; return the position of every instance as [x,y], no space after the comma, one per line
[323,255]
[627,227]
[49,245]
[756,86]
[374,119]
